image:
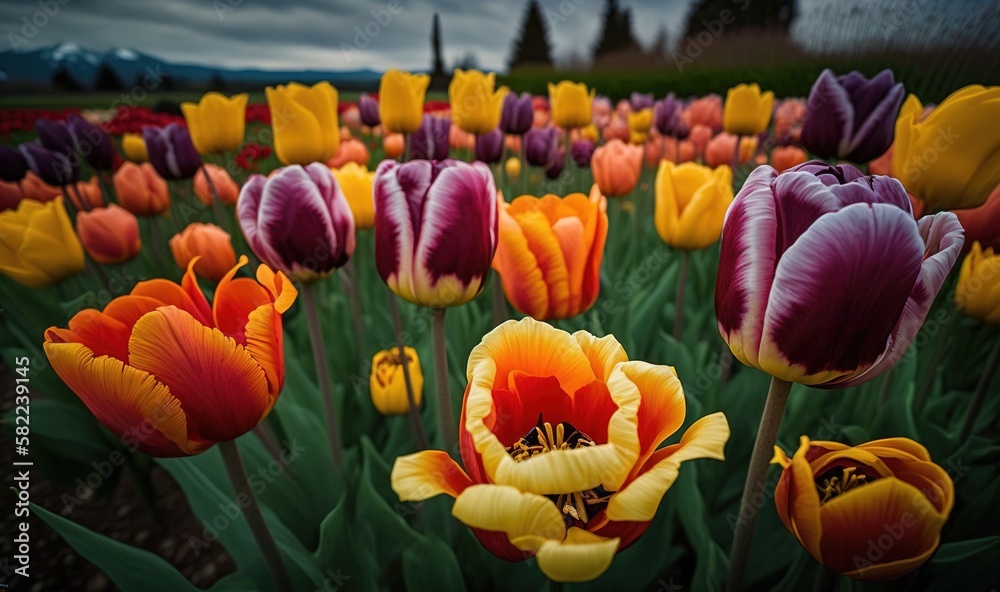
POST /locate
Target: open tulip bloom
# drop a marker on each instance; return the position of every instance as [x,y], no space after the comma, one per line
[559,441]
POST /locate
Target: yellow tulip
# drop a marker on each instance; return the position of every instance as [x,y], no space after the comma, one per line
[513,167]
[691,203]
[216,122]
[388,383]
[304,120]
[37,244]
[747,111]
[356,182]
[134,147]
[475,106]
[640,121]
[401,100]
[590,132]
[950,159]
[570,104]
[977,293]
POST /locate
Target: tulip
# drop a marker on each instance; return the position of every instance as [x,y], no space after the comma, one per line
[571,104]
[850,117]
[705,111]
[720,149]
[691,203]
[582,151]
[839,501]
[393,145]
[853,235]
[550,251]
[110,235]
[555,167]
[747,111]
[304,120]
[298,221]
[55,168]
[513,167]
[949,159]
[356,183]
[32,187]
[640,101]
[441,257]
[210,245]
[785,157]
[981,223]
[141,190]
[87,195]
[216,122]
[134,147]
[977,293]
[56,136]
[431,140]
[789,117]
[667,118]
[540,146]
[616,167]
[171,152]
[601,112]
[224,185]
[92,142]
[37,244]
[368,110]
[401,100]
[351,150]
[388,383]
[475,105]
[13,166]
[572,474]
[162,358]
[639,122]
[517,114]
[617,129]
[700,137]
[489,146]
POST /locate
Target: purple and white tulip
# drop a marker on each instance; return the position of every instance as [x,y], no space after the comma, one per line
[297,221]
[368,109]
[435,229]
[517,114]
[431,140]
[824,276]
[171,152]
[52,166]
[850,117]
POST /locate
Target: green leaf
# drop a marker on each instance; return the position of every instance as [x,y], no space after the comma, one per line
[430,565]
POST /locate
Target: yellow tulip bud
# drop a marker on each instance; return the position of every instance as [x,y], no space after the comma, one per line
[747,111]
[691,203]
[513,167]
[217,122]
[401,100]
[388,383]
[134,147]
[37,244]
[570,104]
[356,182]
[977,293]
[640,121]
[475,105]
[304,120]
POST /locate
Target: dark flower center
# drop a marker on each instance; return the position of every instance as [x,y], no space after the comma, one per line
[839,480]
[577,507]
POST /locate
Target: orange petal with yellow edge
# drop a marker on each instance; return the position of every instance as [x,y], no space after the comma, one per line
[423,475]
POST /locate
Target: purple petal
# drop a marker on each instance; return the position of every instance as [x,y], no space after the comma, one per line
[942,236]
[13,166]
[874,130]
[247,206]
[829,119]
[839,291]
[395,228]
[800,199]
[295,225]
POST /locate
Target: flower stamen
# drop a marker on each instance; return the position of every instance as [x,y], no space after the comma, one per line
[837,485]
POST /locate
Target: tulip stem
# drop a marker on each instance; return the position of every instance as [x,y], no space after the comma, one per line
[736,155]
[445,414]
[415,424]
[217,210]
[977,398]
[763,449]
[499,308]
[322,371]
[251,511]
[681,285]
[85,204]
[353,288]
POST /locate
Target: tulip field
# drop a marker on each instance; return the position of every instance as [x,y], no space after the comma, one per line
[492,340]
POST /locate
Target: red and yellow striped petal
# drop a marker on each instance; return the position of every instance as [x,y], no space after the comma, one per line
[423,475]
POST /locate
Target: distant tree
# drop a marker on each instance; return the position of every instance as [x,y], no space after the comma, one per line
[63,81]
[531,46]
[217,82]
[107,79]
[769,15]
[439,78]
[469,61]
[660,47]
[616,31]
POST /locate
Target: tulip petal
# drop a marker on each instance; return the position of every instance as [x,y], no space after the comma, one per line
[662,406]
[580,557]
[523,283]
[527,519]
[129,402]
[282,292]
[170,294]
[873,126]
[100,333]
[234,301]
[829,122]
[797,501]
[603,353]
[868,249]
[879,531]
[223,390]
[265,343]
[545,244]
[295,220]
[640,498]
[423,475]
[746,266]
[399,191]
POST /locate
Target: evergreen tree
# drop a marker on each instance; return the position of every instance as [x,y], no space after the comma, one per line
[769,15]
[616,31]
[660,47]
[107,79]
[531,47]
[437,68]
[63,81]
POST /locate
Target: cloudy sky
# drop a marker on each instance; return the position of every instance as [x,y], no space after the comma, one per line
[315,33]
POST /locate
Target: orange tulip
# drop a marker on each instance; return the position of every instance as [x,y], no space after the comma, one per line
[393,144]
[110,235]
[616,167]
[785,157]
[32,187]
[719,150]
[141,190]
[699,138]
[461,140]
[980,223]
[869,512]
[550,251]
[660,147]
[89,192]
[705,111]
[224,184]
[882,165]
[172,375]
[210,244]
[351,150]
